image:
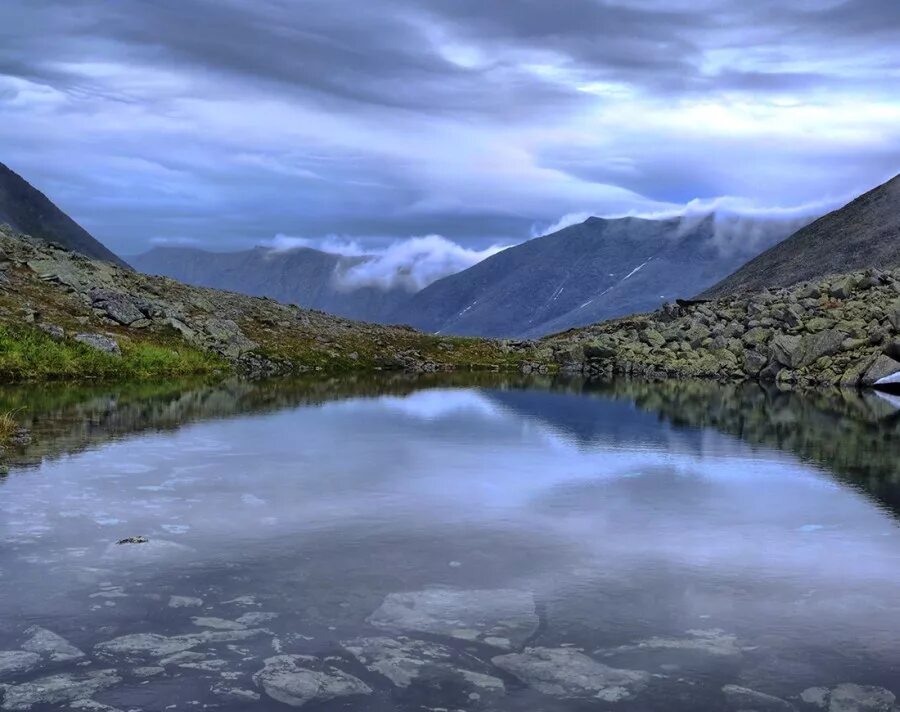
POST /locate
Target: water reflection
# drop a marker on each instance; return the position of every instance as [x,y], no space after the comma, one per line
[474,544]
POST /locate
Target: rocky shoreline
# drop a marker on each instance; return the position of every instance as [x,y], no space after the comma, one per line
[841,331]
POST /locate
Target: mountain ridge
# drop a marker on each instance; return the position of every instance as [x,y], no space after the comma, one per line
[863,233]
[26,209]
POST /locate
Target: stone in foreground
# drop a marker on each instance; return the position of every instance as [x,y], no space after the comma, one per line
[850,697]
[502,618]
[57,689]
[298,679]
[46,642]
[13,662]
[564,672]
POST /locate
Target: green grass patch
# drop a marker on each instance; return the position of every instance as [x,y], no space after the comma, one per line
[27,354]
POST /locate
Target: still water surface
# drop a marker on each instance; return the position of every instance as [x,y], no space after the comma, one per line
[445,544]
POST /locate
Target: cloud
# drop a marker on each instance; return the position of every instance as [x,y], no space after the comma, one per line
[468,119]
[412,264]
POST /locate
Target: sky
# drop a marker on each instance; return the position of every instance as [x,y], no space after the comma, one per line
[469,124]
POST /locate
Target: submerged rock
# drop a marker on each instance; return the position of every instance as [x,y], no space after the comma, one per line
[153,645]
[46,642]
[298,679]
[185,602]
[402,661]
[850,697]
[57,689]
[502,618]
[743,698]
[564,672]
[712,642]
[13,662]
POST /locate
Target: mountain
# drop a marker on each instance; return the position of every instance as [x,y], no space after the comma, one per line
[599,269]
[863,233]
[301,276]
[26,209]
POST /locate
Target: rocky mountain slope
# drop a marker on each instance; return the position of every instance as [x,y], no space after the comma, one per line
[26,209]
[843,330]
[298,276]
[580,275]
[864,233]
[65,315]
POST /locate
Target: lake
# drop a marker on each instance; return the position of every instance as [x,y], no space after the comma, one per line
[450,543]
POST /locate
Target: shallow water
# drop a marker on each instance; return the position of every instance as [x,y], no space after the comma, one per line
[451,544]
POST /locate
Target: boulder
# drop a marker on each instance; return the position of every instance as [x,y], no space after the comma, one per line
[118,306]
[883,367]
[100,342]
[800,351]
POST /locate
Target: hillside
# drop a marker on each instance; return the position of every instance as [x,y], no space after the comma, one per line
[597,270]
[301,276]
[26,209]
[63,315]
[864,233]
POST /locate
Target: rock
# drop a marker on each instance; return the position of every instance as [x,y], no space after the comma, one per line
[599,350]
[884,367]
[800,351]
[117,306]
[892,350]
[234,694]
[506,616]
[57,333]
[564,672]
[403,661]
[817,696]
[712,642]
[13,662]
[653,338]
[893,315]
[842,289]
[298,679]
[46,642]
[860,698]
[743,698]
[133,540]
[153,645]
[185,602]
[217,623]
[58,689]
[100,342]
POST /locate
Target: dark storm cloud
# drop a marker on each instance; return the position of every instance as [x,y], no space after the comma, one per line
[230,121]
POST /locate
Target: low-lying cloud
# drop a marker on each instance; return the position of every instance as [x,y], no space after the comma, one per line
[411,264]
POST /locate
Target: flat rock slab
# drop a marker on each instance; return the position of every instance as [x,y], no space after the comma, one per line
[403,661]
[55,647]
[14,662]
[564,672]
[57,689]
[850,697]
[502,618]
[298,679]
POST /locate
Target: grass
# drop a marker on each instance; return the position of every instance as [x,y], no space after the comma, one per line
[8,426]
[27,354]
